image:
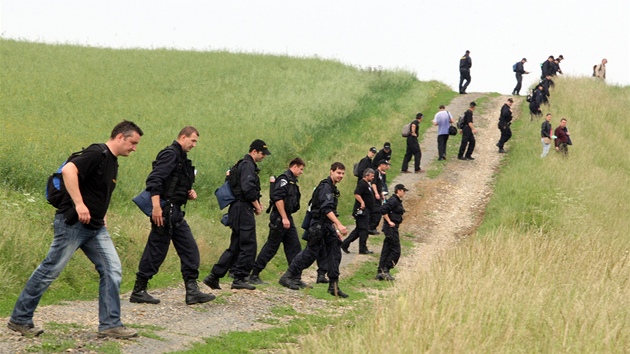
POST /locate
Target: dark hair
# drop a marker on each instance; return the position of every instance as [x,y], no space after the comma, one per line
[337,166]
[126,128]
[297,162]
[188,131]
[563,119]
[442,106]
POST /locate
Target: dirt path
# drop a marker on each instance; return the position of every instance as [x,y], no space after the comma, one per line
[434,209]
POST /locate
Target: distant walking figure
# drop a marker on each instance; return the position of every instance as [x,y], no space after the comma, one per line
[519,72]
[600,70]
[465,63]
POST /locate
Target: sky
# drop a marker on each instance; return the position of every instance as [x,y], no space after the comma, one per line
[424,37]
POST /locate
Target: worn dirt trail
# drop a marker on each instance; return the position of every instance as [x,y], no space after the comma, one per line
[434,218]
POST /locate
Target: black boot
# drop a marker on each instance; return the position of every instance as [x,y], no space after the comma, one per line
[288,282]
[321,279]
[241,284]
[139,294]
[333,289]
[194,295]
[212,282]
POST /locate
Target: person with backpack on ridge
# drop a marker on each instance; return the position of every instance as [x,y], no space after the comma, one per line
[171,180]
[519,70]
[89,180]
[600,69]
[535,101]
[548,67]
[241,253]
[285,201]
[413,147]
[465,63]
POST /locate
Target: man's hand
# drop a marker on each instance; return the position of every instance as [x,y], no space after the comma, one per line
[156,216]
[192,195]
[84,213]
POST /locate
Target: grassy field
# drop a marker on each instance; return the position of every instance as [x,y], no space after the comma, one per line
[56,99]
[548,270]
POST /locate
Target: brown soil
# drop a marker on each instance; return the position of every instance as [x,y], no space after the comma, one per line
[439,213]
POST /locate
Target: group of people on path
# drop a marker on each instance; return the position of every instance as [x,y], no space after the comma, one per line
[89,179]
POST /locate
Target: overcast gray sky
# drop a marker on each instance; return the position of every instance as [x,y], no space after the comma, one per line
[426,37]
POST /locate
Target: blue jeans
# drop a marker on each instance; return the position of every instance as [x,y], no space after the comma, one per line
[545,148]
[99,248]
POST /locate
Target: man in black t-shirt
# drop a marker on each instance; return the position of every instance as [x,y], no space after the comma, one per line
[363,205]
[468,137]
[89,179]
[413,147]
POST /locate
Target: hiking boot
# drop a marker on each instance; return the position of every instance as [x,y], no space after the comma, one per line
[194,295]
[470,158]
[389,277]
[139,294]
[373,232]
[255,280]
[27,330]
[301,284]
[212,282]
[381,276]
[366,252]
[501,151]
[287,282]
[321,279]
[461,158]
[241,284]
[118,332]
[333,289]
[345,249]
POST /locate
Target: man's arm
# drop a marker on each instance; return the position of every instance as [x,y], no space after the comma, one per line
[70,174]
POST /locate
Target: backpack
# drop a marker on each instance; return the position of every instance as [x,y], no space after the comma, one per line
[225,194]
[406,131]
[529,97]
[594,69]
[460,122]
[355,170]
[55,189]
[514,66]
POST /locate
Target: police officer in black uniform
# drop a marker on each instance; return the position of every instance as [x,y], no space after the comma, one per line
[379,187]
[285,200]
[505,120]
[364,204]
[170,184]
[241,253]
[383,154]
[325,231]
[465,63]
[392,212]
[467,146]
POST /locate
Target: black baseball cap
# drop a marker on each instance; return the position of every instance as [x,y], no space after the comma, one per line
[383,162]
[473,104]
[259,145]
[387,146]
[400,187]
[419,115]
[373,149]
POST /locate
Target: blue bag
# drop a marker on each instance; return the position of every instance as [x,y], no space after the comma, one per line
[143,201]
[224,195]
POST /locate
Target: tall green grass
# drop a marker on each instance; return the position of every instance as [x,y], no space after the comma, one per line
[548,269]
[59,98]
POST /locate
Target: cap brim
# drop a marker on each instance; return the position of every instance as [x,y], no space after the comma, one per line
[266,151]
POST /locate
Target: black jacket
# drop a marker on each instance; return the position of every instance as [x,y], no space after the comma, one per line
[506,114]
[172,176]
[394,208]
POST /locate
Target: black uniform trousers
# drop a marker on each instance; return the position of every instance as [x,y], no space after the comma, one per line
[240,255]
[278,235]
[390,254]
[506,134]
[442,139]
[519,83]
[464,75]
[304,259]
[322,257]
[362,223]
[375,215]
[413,149]
[468,140]
[156,249]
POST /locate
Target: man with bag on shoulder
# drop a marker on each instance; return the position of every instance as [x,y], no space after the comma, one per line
[443,120]
[171,180]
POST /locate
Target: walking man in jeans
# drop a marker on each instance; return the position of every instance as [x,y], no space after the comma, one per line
[89,179]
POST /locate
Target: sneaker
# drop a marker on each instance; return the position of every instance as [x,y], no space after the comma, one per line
[288,283]
[212,282]
[255,280]
[28,330]
[118,332]
[241,284]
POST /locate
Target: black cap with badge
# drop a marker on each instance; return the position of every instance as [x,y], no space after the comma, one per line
[400,187]
[259,145]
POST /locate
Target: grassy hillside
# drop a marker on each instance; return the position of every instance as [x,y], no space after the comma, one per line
[548,270]
[56,99]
